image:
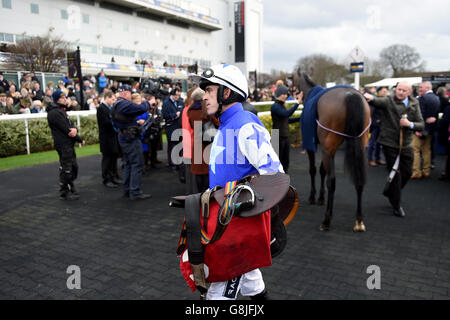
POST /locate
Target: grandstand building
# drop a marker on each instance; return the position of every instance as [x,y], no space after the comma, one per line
[114,34]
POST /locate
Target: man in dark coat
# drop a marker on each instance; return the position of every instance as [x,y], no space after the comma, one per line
[443,129]
[281,120]
[109,145]
[65,134]
[422,140]
[171,111]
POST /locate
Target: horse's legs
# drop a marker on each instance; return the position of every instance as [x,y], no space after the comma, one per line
[359,224]
[328,162]
[323,174]
[312,174]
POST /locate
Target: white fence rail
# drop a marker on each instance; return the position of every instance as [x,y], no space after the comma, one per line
[27,116]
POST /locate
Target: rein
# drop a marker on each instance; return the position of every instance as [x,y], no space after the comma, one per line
[343,134]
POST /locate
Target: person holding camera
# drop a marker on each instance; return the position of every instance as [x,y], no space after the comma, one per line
[422,140]
[171,111]
[124,115]
[151,124]
[400,116]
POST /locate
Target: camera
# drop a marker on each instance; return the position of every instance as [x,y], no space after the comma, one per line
[155,87]
[152,128]
[150,86]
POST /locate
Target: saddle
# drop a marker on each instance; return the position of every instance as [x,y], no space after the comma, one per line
[246,215]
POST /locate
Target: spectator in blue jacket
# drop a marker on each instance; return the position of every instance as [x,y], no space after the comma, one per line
[124,116]
[102,82]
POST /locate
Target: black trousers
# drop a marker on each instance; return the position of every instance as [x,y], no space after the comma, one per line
[200,182]
[109,167]
[401,178]
[153,150]
[447,162]
[285,146]
[170,146]
[68,168]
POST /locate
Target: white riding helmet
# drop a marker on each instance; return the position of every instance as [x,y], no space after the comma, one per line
[227,75]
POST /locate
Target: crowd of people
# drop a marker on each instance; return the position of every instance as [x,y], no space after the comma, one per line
[30,97]
[431,104]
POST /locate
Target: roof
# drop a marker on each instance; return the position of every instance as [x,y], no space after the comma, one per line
[391,82]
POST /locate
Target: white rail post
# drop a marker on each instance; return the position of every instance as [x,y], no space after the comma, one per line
[78,127]
[27,137]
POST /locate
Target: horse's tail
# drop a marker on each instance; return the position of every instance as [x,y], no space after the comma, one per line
[355,156]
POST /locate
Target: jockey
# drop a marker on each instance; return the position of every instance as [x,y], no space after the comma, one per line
[241,147]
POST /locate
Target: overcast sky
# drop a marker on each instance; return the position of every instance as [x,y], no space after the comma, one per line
[295,28]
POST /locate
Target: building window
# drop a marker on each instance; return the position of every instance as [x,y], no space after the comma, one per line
[7,37]
[34,8]
[176,60]
[6,4]
[64,15]
[85,48]
[118,52]
[85,18]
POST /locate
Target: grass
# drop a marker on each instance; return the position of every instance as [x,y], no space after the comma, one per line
[27,160]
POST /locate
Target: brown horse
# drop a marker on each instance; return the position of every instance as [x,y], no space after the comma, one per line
[343,115]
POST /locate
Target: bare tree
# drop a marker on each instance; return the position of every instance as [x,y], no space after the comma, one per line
[324,69]
[41,53]
[403,59]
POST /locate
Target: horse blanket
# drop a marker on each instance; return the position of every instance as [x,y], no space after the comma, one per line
[308,118]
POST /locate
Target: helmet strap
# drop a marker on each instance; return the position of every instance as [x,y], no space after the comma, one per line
[219,101]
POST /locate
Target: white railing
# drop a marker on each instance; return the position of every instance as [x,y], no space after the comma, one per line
[26,116]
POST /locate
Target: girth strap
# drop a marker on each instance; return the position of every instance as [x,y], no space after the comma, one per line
[193,228]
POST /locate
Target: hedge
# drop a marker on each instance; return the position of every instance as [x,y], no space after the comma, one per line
[12,134]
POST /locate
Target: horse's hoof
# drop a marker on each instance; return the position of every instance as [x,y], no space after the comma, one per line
[312,201]
[324,227]
[321,202]
[359,227]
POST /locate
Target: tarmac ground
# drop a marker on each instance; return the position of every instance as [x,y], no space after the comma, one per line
[126,250]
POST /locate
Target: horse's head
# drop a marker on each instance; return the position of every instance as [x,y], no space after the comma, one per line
[305,83]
